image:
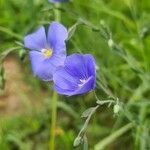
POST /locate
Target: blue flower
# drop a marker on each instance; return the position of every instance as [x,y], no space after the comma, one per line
[77,76]
[57,1]
[47,53]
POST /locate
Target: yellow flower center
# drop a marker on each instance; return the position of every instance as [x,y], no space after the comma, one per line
[47,52]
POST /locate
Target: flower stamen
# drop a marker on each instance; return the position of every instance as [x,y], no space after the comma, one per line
[47,52]
[82,82]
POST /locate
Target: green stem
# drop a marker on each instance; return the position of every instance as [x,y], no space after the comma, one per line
[11,33]
[53,121]
[57,12]
[54,99]
[106,141]
[5,53]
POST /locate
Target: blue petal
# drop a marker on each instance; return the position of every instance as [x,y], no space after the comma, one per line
[78,76]
[44,68]
[58,60]
[75,65]
[41,67]
[36,40]
[63,87]
[87,87]
[64,81]
[61,91]
[57,34]
[90,64]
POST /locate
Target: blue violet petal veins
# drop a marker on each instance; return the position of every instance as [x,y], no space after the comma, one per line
[77,76]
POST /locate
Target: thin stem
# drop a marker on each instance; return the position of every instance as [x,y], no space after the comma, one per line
[85,146]
[11,33]
[7,52]
[54,99]
[105,101]
[57,12]
[84,128]
[53,121]
[106,141]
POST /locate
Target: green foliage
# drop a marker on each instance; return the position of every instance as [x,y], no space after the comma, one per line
[117,33]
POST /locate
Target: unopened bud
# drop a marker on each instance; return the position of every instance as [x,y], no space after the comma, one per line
[116,109]
[102,22]
[22,54]
[110,43]
[77,141]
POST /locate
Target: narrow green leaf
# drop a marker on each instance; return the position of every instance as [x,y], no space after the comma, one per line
[87,112]
[72,30]
[108,140]
[77,141]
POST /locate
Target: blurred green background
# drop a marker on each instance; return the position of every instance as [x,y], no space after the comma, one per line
[117,33]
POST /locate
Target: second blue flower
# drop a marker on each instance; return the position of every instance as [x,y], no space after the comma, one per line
[77,76]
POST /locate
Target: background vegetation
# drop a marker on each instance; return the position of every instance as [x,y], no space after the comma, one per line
[117,33]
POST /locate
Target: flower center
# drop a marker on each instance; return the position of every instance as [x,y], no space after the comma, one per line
[82,82]
[47,52]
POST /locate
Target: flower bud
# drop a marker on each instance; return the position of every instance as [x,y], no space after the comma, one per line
[110,43]
[116,108]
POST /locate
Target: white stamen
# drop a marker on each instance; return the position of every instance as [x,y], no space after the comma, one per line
[47,52]
[83,81]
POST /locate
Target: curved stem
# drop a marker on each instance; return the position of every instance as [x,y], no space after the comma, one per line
[11,33]
[7,52]
[111,138]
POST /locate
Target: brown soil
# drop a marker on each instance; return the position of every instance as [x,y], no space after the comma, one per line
[15,97]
